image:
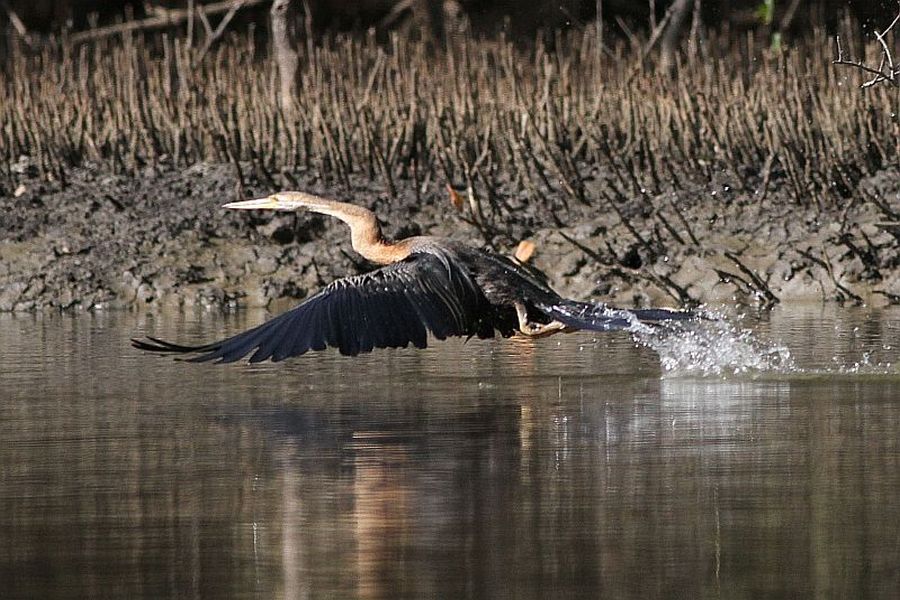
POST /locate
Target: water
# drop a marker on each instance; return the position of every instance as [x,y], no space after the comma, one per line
[567,467]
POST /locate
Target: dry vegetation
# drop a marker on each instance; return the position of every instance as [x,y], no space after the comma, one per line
[561,125]
[481,115]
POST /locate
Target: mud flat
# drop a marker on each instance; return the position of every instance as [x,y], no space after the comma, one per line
[161,239]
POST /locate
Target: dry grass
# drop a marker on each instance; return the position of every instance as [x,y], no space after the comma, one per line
[496,120]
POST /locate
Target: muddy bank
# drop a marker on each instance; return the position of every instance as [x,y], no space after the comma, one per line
[161,239]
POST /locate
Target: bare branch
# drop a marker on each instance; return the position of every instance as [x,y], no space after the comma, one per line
[789,15]
[207,28]
[17,23]
[284,43]
[166,18]
[210,40]
[886,71]
[658,30]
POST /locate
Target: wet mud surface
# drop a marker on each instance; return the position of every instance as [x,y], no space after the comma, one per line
[162,239]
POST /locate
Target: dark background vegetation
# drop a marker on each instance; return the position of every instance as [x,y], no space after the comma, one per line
[523,16]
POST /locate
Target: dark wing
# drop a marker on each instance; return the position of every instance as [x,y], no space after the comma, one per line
[388,308]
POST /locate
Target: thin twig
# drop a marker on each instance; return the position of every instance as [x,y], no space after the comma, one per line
[770,298]
[879,74]
[17,23]
[210,40]
[165,18]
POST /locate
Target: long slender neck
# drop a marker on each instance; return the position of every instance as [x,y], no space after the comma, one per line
[365,232]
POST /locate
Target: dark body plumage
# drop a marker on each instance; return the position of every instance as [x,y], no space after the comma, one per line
[443,287]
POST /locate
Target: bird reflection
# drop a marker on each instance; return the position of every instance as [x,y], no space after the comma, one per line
[381,514]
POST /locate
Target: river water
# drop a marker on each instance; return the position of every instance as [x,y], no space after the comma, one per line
[566,467]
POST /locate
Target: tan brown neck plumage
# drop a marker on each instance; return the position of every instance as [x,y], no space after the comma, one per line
[365,232]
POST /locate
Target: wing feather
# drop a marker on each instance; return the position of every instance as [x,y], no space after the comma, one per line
[391,307]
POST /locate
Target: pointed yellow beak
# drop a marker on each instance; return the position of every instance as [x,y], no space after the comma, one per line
[268,203]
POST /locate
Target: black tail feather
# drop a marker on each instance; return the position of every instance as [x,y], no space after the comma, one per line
[653,315]
[153,344]
[599,317]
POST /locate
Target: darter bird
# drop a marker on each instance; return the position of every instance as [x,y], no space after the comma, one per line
[428,285]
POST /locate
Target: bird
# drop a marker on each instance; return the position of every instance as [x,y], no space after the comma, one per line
[425,286]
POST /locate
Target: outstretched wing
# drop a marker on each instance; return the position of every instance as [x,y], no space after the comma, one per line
[387,308]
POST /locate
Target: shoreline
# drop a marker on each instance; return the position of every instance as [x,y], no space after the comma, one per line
[162,240]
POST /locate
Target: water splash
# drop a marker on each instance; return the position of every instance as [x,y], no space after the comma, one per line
[711,346]
[708,343]
[865,366]
[716,345]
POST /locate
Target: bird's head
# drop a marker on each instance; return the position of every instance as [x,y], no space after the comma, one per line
[279,201]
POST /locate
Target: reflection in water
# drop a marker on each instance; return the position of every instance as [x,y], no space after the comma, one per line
[563,467]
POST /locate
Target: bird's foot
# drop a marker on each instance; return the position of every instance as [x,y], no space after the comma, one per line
[543,329]
[532,329]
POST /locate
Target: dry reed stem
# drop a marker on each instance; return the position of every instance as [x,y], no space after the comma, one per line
[483,114]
